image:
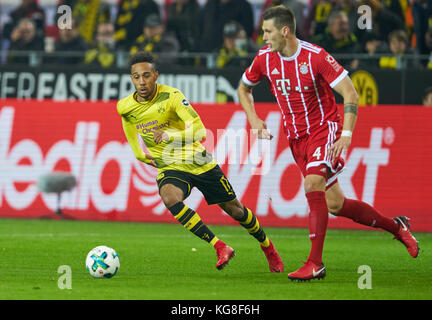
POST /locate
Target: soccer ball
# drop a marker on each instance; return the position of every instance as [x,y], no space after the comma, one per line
[102,262]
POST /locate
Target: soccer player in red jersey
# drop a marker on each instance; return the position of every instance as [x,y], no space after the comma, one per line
[301,77]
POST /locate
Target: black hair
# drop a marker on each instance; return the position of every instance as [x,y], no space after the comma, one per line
[142,56]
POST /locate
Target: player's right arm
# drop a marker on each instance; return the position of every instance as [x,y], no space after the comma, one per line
[350,97]
[246,99]
[338,79]
[132,138]
[251,77]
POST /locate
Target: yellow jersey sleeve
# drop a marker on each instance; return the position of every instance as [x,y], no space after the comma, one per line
[194,129]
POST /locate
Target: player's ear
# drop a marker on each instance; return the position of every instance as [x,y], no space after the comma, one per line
[285,31]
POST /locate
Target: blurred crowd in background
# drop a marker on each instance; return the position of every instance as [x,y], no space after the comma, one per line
[187,31]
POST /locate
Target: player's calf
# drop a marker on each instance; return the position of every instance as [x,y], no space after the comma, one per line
[192,221]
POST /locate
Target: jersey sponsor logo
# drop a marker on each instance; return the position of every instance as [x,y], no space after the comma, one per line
[145,125]
[284,86]
[151,125]
[333,63]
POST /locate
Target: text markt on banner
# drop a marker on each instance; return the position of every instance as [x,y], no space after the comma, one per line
[233,146]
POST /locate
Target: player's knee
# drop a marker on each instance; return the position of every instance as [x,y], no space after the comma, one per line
[169,202]
[334,206]
[234,208]
[170,196]
[335,199]
[314,183]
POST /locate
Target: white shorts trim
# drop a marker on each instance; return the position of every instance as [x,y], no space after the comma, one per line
[333,178]
[335,172]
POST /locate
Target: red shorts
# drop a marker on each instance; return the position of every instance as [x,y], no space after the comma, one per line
[311,153]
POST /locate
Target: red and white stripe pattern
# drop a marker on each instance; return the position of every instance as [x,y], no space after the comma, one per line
[276,94]
[301,84]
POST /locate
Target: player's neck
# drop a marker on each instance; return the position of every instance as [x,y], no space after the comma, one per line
[290,48]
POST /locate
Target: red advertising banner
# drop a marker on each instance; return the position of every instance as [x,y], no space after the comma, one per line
[387,166]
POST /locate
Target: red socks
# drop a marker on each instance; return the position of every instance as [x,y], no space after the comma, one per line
[364,214]
[355,210]
[318,218]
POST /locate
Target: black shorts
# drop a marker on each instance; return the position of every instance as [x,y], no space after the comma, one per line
[213,184]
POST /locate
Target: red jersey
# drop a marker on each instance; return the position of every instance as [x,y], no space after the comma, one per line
[301,84]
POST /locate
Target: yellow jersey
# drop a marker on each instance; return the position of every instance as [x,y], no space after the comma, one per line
[171,112]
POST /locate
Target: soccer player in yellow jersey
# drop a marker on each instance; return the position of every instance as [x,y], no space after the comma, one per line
[171,130]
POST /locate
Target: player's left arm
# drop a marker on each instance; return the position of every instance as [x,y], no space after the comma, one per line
[350,99]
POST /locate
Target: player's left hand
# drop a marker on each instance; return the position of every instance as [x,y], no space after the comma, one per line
[159,136]
[340,146]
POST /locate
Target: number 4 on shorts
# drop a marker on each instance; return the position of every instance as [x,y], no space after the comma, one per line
[317,153]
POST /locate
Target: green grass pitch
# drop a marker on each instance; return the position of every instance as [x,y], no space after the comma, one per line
[166,262]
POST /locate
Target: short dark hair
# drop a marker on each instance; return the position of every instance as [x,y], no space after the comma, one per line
[282,16]
[142,56]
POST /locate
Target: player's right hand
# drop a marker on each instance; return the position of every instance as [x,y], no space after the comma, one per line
[152,161]
[259,128]
[159,136]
